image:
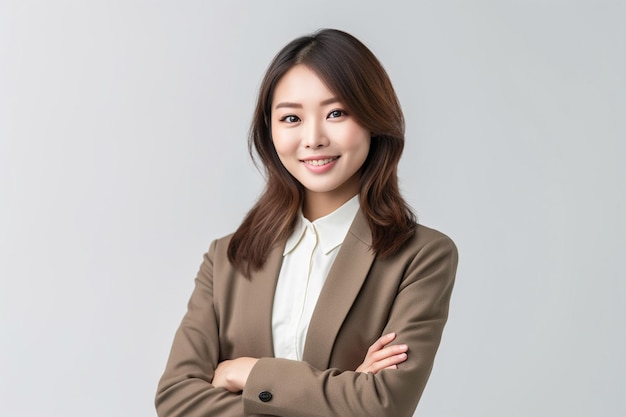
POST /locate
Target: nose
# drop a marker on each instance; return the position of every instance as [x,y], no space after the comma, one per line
[314,136]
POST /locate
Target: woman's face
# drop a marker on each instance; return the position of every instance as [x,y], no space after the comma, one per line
[317,141]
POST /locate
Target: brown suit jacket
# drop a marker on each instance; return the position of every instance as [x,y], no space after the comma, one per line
[363,298]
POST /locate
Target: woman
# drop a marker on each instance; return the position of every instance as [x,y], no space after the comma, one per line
[329,300]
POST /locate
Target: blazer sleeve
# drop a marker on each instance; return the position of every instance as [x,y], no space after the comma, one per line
[185,388]
[418,315]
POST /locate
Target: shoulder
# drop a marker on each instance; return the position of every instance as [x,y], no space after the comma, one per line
[218,250]
[425,236]
[222,242]
[430,250]
[427,246]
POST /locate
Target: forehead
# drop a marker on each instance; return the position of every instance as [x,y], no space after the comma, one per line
[300,85]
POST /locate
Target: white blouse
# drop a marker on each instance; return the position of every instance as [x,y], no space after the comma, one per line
[309,254]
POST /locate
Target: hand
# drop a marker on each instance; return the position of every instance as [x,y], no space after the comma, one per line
[233,374]
[380,356]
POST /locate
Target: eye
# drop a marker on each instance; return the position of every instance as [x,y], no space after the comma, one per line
[336,113]
[290,118]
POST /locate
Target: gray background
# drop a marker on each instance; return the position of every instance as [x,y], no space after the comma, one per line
[123,154]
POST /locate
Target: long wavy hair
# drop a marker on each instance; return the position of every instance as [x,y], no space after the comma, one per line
[352,72]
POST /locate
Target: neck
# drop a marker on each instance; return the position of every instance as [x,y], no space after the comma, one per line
[318,205]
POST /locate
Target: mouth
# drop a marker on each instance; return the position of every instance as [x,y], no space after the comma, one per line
[320,162]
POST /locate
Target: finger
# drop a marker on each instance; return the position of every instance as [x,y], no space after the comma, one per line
[387,363]
[382,355]
[379,351]
[387,352]
[381,342]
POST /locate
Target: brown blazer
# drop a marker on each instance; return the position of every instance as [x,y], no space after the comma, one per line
[363,298]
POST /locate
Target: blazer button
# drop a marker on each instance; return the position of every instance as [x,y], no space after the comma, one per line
[265,396]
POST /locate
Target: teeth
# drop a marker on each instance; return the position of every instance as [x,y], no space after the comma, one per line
[319,162]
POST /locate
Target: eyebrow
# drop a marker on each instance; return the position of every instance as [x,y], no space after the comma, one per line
[299,106]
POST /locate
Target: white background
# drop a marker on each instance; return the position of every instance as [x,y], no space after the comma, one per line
[123,154]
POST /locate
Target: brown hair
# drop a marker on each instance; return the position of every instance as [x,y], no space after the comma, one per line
[351,71]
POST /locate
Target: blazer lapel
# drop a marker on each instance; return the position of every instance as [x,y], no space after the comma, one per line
[258,300]
[341,288]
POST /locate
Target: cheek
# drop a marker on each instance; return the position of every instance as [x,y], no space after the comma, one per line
[286,149]
[280,141]
[357,139]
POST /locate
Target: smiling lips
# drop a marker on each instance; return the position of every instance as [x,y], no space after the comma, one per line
[320,162]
